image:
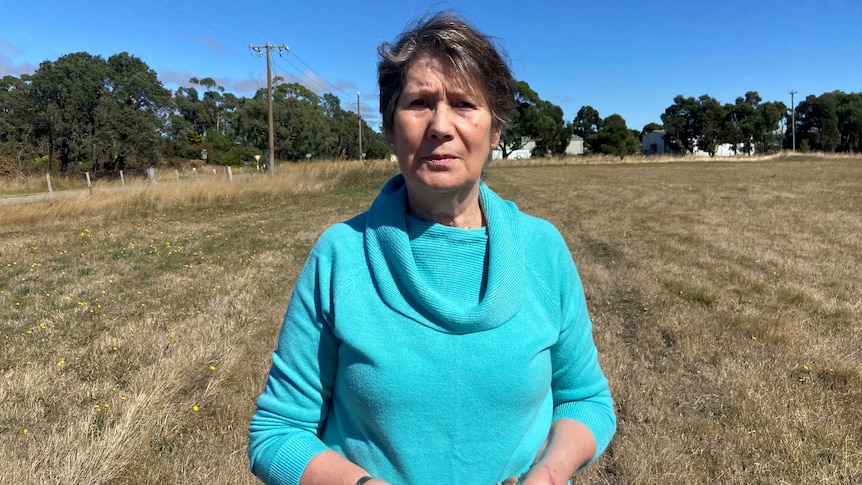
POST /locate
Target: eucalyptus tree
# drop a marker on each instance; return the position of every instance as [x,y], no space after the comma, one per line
[301,127]
[817,117]
[586,125]
[131,116]
[65,95]
[14,118]
[535,120]
[709,122]
[615,138]
[849,115]
[680,123]
[343,128]
[831,121]
[768,117]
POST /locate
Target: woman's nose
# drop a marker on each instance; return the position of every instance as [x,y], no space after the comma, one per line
[441,122]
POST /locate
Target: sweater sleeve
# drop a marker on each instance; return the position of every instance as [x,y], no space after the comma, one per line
[292,409]
[580,388]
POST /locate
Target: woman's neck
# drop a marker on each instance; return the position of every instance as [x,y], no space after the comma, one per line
[464,214]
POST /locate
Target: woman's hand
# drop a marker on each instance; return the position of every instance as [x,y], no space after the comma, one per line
[569,445]
[546,474]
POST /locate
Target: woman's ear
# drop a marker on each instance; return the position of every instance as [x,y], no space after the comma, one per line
[495,138]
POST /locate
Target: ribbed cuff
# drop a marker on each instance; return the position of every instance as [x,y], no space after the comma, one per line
[292,458]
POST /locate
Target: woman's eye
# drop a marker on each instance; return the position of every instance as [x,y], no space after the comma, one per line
[465,105]
[418,102]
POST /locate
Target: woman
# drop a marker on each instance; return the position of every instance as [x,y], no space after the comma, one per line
[442,336]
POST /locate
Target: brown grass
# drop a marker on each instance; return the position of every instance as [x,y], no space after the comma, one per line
[726,298]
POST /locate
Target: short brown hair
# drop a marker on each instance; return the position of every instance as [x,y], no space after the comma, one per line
[470,53]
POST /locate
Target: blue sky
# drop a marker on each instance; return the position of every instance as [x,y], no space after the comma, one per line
[618,56]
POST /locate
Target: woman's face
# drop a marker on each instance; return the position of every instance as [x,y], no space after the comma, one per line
[442,131]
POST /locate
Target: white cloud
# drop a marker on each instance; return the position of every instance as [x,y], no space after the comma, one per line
[8,66]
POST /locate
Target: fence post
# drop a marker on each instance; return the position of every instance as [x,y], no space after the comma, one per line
[122,180]
[177,173]
[89,185]
[50,190]
[195,171]
[229,173]
[151,174]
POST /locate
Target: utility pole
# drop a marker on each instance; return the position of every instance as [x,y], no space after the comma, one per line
[359,112]
[793,117]
[269,47]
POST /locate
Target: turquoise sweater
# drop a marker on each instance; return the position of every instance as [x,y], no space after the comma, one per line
[430,354]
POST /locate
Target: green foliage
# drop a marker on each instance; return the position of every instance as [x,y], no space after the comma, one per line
[680,123]
[704,124]
[538,121]
[586,125]
[240,155]
[710,116]
[831,122]
[86,112]
[651,127]
[614,138]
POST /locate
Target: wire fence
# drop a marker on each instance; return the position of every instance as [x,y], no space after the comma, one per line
[71,185]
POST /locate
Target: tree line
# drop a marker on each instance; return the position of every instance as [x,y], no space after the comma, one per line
[84,112]
[831,122]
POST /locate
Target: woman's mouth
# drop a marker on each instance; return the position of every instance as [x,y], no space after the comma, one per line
[440,159]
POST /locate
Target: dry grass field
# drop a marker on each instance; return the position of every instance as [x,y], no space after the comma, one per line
[136,325]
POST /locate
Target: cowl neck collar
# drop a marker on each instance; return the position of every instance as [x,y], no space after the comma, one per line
[399,283]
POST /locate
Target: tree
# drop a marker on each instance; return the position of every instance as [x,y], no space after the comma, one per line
[680,123]
[586,125]
[300,123]
[14,118]
[768,118]
[849,115]
[709,123]
[67,93]
[535,120]
[343,127]
[614,137]
[735,116]
[818,121]
[131,115]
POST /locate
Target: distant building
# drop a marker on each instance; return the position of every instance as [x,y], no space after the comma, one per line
[575,146]
[653,143]
[526,151]
[722,150]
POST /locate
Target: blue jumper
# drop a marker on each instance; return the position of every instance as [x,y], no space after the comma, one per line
[430,354]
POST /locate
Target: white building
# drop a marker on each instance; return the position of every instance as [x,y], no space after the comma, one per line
[653,143]
[526,151]
[575,147]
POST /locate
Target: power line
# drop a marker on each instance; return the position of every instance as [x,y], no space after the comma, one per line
[327,85]
[197,20]
[318,83]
